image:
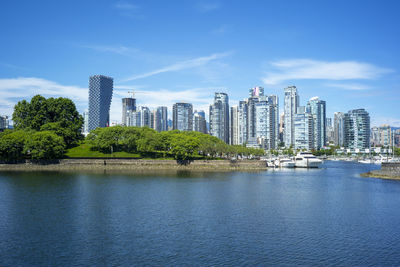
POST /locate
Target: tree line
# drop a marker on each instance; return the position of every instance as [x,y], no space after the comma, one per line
[46,128]
[180,145]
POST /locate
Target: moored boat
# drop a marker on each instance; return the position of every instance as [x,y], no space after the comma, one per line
[306,160]
[284,163]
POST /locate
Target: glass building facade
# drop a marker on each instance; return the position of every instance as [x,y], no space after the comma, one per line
[161,119]
[100,95]
[219,117]
[291,102]
[128,105]
[357,129]
[182,117]
[317,108]
[338,122]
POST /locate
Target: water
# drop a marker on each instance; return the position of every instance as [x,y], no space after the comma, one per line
[293,217]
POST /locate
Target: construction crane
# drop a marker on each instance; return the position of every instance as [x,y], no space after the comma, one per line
[132,92]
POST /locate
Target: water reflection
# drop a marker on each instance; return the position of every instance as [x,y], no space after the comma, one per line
[293,217]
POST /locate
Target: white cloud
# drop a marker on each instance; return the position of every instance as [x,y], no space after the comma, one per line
[208,6]
[297,69]
[222,29]
[349,86]
[16,89]
[117,49]
[125,6]
[187,64]
[378,121]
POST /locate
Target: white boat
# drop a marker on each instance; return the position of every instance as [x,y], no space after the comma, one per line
[366,161]
[306,160]
[284,163]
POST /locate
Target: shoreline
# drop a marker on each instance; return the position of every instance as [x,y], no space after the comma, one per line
[135,165]
[389,170]
[381,175]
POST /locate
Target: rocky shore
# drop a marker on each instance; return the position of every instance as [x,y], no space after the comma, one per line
[134,165]
[387,171]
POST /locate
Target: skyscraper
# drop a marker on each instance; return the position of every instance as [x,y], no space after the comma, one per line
[199,121]
[251,116]
[267,122]
[128,105]
[133,118]
[243,122]
[234,126]
[357,129]
[3,123]
[182,117]
[100,94]
[256,91]
[317,108]
[339,128]
[330,133]
[145,117]
[219,117]
[85,122]
[304,129]
[161,119]
[291,102]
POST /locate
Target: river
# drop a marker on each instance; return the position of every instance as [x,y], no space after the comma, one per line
[326,216]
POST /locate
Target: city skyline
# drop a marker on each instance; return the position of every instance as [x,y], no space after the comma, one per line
[209,47]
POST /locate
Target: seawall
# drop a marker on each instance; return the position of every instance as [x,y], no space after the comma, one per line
[388,170]
[135,164]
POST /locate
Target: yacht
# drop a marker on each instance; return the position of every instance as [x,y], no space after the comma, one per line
[306,160]
[284,163]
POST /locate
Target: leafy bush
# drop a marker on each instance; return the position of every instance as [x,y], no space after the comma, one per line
[44,145]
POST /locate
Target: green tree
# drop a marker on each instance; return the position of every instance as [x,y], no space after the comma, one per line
[12,145]
[58,115]
[107,140]
[44,145]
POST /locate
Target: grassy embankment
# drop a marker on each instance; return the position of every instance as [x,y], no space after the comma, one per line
[84,151]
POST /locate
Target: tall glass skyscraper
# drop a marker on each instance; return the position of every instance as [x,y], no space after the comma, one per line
[161,119]
[291,102]
[243,122]
[357,129]
[234,126]
[128,105]
[317,108]
[304,129]
[267,122]
[199,121]
[219,117]
[338,126]
[100,95]
[182,117]
[145,117]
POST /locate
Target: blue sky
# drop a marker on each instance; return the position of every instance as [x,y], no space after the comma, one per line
[345,52]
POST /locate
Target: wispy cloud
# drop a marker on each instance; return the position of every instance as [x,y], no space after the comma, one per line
[222,29]
[187,64]
[378,121]
[11,66]
[117,49]
[297,69]
[127,9]
[125,6]
[15,89]
[208,6]
[349,86]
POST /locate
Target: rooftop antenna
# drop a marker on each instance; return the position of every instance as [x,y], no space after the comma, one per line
[132,92]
